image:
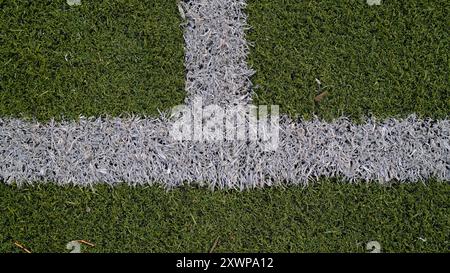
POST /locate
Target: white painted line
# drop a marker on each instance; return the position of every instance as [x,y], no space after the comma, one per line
[141,151]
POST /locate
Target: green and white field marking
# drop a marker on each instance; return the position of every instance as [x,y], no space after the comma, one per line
[129,59]
[141,151]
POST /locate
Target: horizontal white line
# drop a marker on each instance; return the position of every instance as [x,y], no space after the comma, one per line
[140,151]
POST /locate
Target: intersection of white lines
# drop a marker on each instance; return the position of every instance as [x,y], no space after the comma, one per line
[140,150]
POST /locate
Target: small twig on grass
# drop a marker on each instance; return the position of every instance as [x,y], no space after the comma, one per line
[320,97]
[86,243]
[214,245]
[22,247]
[321,94]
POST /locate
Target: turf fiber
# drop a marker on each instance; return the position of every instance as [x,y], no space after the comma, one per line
[103,57]
[383,61]
[326,217]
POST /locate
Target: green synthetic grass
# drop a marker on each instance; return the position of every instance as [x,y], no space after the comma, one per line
[385,61]
[326,217]
[103,57]
[130,59]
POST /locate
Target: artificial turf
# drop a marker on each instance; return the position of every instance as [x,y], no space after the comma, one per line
[126,41]
[383,61]
[326,217]
[99,58]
